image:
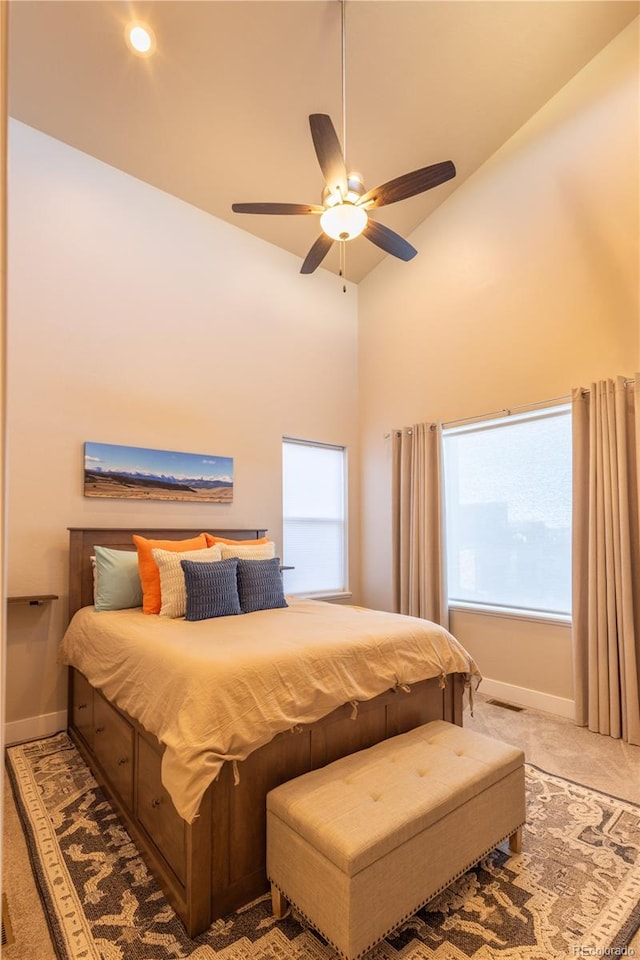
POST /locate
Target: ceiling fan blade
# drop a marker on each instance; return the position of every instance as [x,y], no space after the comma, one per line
[276,208]
[317,253]
[388,240]
[408,185]
[329,152]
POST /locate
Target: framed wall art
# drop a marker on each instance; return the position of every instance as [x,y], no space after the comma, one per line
[137,473]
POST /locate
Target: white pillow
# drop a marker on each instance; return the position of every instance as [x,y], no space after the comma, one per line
[249,551]
[173,592]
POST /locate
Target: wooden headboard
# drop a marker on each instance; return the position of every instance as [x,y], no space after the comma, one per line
[82,541]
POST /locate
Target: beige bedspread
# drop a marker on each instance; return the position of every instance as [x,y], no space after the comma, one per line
[215,690]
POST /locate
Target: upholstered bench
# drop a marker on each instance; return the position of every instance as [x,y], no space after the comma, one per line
[359,845]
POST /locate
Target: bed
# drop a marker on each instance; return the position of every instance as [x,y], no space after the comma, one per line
[227,709]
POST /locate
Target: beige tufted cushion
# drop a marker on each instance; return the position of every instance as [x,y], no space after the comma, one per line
[357,809]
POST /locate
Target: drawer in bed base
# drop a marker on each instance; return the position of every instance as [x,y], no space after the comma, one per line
[113,746]
[81,696]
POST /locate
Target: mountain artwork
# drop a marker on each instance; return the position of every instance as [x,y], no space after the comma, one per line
[138,473]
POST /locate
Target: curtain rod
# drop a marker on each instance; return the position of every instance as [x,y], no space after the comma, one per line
[508,411]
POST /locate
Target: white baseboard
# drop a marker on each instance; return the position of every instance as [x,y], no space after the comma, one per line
[33,728]
[524,697]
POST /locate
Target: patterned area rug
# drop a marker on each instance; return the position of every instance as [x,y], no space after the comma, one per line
[574,891]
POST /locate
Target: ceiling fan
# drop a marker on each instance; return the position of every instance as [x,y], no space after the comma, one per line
[345,203]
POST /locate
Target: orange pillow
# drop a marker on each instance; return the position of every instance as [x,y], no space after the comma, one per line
[212,539]
[148,568]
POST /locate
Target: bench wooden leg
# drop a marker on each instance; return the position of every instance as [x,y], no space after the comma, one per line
[279,904]
[515,841]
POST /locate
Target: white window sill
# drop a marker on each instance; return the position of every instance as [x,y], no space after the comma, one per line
[338,595]
[533,616]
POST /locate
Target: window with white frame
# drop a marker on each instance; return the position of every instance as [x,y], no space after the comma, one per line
[314,512]
[508,512]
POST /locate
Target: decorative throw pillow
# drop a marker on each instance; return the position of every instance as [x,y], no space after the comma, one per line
[260,585]
[212,589]
[214,538]
[173,594]
[255,551]
[149,573]
[116,582]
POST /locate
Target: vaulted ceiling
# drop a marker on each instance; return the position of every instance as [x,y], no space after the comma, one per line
[220,112]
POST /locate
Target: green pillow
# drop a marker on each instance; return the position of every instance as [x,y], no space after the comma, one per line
[117,582]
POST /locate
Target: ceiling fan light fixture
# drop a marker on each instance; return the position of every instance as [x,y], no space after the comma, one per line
[344,221]
[331,198]
[355,187]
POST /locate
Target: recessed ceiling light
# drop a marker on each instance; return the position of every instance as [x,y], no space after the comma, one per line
[140,38]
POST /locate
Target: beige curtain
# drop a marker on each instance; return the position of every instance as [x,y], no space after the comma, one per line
[418,541]
[606,557]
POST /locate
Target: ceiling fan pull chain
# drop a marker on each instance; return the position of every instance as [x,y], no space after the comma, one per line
[343,264]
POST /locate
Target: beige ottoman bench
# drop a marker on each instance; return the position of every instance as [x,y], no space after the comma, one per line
[359,845]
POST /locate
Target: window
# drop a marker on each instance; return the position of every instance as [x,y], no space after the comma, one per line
[314,517]
[508,512]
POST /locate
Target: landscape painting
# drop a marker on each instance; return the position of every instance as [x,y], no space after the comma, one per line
[137,473]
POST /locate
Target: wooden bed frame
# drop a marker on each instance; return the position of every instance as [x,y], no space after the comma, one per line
[217,863]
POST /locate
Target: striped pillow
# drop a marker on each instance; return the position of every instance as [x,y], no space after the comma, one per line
[253,551]
[260,585]
[173,593]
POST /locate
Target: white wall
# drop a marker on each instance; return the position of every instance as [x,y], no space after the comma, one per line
[135,318]
[526,284]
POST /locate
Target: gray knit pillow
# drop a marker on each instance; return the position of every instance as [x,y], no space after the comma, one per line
[212,589]
[260,585]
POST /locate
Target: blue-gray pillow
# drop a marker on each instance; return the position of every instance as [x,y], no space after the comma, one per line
[212,589]
[117,579]
[260,585]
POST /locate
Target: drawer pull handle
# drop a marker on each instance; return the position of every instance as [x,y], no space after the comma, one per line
[81,706]
[99,729]
[155,802]
[122,761]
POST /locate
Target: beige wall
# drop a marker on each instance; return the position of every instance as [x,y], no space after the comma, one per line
[135,318]
[3,294]
[526,283]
